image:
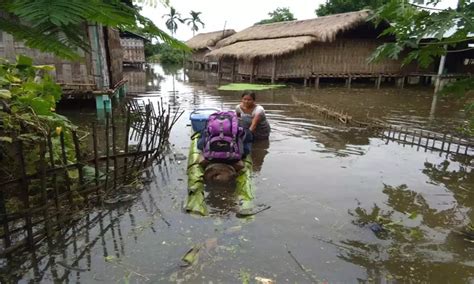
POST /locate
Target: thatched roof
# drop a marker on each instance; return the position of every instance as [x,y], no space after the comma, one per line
[262,48]
[205,40]
[285,37]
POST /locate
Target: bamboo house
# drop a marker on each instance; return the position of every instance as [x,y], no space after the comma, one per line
[335,46]
[202,44]
[97,74]
[133,46]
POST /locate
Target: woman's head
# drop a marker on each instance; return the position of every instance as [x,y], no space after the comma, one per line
[248,99]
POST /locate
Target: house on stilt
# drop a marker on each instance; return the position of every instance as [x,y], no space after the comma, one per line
[201,45]
[335,46]
[98,74]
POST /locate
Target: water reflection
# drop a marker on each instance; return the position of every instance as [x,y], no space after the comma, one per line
[419,240]
[413,205]
[142,80]
[259,151]
[221,199]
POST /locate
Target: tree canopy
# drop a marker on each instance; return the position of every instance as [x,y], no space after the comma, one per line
[173,18]
[194,20]
[278,15]
[343,6]
[56,26]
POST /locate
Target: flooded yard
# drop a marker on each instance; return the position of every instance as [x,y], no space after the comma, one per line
[347,204]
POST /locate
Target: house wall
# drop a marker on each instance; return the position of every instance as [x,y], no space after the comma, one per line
[115,56]
[343,56]
[66,72]
[460,62]
[133,50]
[199,55]
[90,72]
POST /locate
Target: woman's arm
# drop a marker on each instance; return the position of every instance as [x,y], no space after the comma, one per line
[255,121]
[237,110]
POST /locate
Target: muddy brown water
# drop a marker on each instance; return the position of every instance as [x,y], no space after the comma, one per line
[346,205]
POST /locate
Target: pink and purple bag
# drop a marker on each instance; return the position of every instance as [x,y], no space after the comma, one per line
[224,137]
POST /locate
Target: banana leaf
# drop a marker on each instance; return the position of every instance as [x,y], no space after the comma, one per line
[196,203]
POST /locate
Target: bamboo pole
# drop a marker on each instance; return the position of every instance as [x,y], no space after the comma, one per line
[114,149]
[107,151]
[55,183]
[25,193]
[66,173]
[78,157]
[96,160]
[3,218]
[44,194]
[127,134]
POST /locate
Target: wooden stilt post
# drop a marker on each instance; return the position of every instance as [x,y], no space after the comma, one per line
[233,70]
[274,70]
[305,82]
[316,82]
[378,81]
[349,80]
[219,71]
[252,71]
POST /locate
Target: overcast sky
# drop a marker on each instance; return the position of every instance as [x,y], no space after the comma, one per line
[239,14]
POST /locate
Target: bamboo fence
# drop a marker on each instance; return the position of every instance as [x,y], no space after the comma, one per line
[50,196]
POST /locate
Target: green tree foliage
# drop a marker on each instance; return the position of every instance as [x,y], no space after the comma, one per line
[170,55]
[152,49]
[57,26]
[278,15]
[194,21]
[343,6]
[172,20]
[426,33]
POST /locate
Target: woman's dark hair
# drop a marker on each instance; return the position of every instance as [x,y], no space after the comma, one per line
[247,93]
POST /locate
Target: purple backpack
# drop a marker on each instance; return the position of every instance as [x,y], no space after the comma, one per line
[224,138]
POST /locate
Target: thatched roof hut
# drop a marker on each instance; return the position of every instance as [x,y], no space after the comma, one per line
[206,40]
[322,29]
[336,44]
[202,43]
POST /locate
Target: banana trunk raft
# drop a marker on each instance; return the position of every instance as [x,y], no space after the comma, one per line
[196,198]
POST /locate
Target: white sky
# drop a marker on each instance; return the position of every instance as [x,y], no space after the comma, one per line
[239,14]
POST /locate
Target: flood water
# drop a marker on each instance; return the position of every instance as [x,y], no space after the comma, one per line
[347,206]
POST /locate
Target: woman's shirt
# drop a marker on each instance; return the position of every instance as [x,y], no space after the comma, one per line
[262,129]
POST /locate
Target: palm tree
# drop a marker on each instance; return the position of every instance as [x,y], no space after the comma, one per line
[194,20]
[173,18]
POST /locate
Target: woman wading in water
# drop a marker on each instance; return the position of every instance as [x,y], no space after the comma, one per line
[253,117]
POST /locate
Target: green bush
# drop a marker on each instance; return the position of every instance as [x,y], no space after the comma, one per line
[170,55]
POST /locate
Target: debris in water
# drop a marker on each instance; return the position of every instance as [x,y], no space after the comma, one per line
[121,198]
[252,211]
[191,257]
[180,157]
[244,276]
[376,228]
[233,229]
[67,266]
[264,280]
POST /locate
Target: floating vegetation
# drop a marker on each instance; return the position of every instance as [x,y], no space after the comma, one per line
[249,87]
